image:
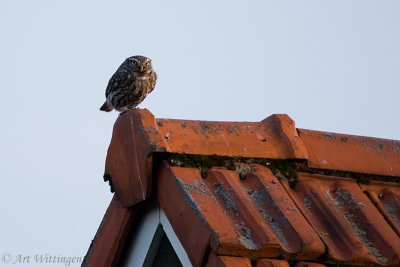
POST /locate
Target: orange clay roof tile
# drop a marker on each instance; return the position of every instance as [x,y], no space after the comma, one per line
[309,264]
[274,137]
[271,263]
[352,153]
[226,261]
[107,245]
[386,197]
[245,212]
[346,220]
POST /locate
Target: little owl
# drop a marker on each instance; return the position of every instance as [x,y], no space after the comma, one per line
[130,84]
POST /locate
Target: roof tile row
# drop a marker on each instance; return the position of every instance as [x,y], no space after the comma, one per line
[346,220]
[228,261]
[137,135]
[263,217]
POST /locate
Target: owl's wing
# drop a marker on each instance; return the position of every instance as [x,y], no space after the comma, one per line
[119,81]
[153,80]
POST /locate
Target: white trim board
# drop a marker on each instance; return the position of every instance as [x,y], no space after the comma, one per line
[144,233]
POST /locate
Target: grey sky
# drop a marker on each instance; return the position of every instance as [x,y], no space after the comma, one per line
[330,65]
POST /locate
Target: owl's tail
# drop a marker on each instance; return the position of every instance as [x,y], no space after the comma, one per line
[106,107]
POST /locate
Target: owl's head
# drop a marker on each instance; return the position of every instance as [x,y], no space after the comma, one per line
[139,63]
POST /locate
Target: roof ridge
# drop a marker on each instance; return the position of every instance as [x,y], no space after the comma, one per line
[138,135]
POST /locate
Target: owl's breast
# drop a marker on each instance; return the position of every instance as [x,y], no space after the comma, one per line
[144,84]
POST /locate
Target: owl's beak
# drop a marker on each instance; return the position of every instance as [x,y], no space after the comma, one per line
[141,68]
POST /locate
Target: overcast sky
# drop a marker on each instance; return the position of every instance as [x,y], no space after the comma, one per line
[330,65]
